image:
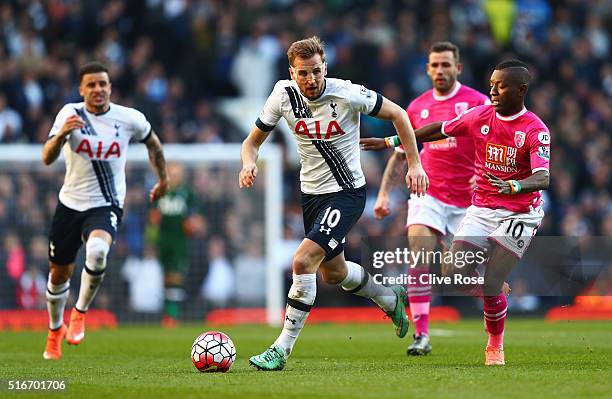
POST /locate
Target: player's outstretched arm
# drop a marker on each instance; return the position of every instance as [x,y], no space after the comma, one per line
[540,180]
[53,146]
[158,161]
[431,132]
[249,153]
[416,179]
[394,170]
[374,143]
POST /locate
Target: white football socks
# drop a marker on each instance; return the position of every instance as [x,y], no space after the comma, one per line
[92,275]
[299,302]
[57,295]
[360,282]
[90,284]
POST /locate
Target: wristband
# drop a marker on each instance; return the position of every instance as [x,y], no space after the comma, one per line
[515,186]
[392,141]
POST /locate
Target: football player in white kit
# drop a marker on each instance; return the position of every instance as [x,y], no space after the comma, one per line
[94,135]
[324,116]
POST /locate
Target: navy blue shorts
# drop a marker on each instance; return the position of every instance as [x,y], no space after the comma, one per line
[70,228]
[329,217]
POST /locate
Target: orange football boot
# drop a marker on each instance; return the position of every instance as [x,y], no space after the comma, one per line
[53,350]
[76,329]
[494,356]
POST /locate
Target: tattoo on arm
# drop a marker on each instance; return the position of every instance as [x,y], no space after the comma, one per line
[156,156]
[52,149]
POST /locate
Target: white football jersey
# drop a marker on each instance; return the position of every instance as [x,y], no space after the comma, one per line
[95,155]
[326,130]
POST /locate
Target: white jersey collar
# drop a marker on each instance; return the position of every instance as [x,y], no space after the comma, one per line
[452,93]
[97,113]
[511,117]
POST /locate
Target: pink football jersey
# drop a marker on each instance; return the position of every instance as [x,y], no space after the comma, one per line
[449,163]
[509,147]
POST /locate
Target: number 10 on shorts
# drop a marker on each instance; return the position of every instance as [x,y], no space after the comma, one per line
[331,217]
[517,236]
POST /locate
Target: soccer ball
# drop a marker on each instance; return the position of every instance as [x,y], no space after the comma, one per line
[213,351]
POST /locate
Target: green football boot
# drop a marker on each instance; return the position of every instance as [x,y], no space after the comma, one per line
[273,359]
[398,315]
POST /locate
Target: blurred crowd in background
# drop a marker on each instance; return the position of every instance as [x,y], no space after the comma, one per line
[226,252]
[175,60]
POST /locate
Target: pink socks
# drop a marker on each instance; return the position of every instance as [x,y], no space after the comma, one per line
[495,309]
[419,297]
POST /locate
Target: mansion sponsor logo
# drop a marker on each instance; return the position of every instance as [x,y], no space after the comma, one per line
[500,158]
[500,168]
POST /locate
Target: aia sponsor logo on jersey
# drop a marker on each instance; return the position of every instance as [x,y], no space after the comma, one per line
[500,158]
[97,150]
[519,138]
[312,130]
[461,108]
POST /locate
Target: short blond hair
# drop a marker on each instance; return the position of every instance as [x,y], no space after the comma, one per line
[306,48]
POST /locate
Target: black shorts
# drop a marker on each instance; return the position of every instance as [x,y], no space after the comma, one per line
[329,217]
[70,228]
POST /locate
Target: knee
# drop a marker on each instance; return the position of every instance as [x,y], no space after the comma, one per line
[96,250]
[58,283]
[302,264]
[60,274]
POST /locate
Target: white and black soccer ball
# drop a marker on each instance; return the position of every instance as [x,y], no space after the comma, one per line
[213,351]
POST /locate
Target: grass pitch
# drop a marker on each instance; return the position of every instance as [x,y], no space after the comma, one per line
[560,360]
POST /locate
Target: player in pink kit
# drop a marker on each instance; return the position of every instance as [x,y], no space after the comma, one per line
[512,162]
[449,163]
